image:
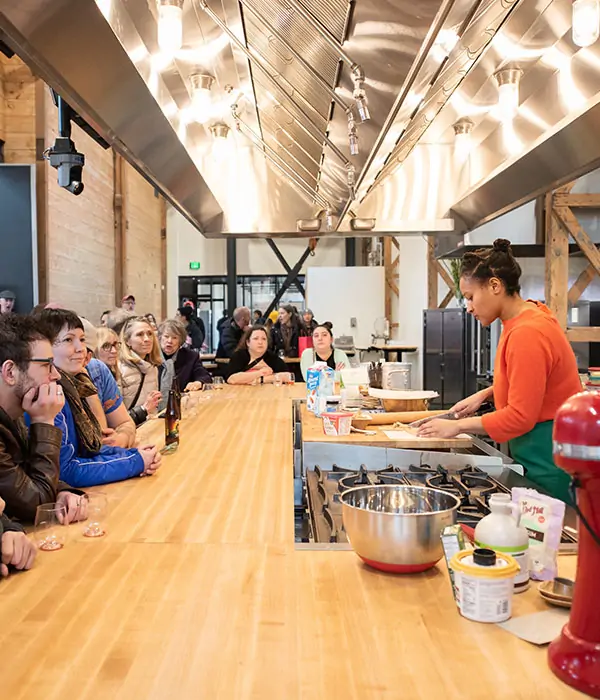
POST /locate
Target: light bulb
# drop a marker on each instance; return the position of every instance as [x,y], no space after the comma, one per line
[201,102]
[462,138]
[170,28]
[586,22]
[508,100]
[221,144]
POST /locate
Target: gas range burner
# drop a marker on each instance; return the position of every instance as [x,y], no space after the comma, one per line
[471,512]
[367,478]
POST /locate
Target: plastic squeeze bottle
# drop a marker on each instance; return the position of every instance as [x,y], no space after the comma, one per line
[500,531]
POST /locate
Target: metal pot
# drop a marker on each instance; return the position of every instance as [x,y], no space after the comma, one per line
[396,375]
[397,528]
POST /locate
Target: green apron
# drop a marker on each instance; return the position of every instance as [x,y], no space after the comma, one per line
[534,451]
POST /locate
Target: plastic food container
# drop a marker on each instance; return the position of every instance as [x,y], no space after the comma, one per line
[484,584]
[337,423]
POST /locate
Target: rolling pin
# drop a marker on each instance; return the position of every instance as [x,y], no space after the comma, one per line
[396,417]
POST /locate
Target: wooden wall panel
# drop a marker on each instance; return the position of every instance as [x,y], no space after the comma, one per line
[18,113]
[80,229]
[143,248]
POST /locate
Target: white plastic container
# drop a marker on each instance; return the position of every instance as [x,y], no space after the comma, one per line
[501,532]
[484,591]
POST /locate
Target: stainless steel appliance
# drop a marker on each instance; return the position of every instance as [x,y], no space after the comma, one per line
[450,355]
[396,375]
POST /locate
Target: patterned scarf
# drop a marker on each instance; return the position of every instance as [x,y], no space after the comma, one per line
[77,388]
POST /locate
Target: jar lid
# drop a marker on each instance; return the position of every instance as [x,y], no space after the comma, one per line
[504,567]
[484,557]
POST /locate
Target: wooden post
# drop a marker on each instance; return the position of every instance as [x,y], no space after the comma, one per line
[163,258]
[391,265]
[557,264]
[120,223]
[432,275]
[41,190]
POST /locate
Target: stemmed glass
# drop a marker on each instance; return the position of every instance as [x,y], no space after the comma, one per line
[97,509]
[50,529]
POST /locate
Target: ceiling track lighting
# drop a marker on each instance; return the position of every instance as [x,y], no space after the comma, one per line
[170,25]
[508,80]
[586,22]
[359,94]
[329,225]
[220,131]
[351,180]
[352,135]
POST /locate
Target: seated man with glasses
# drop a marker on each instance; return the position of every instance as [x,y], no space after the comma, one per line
[29,460]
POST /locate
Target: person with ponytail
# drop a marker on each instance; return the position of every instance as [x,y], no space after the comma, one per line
[535,369]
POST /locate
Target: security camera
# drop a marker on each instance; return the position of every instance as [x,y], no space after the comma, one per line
[69,163]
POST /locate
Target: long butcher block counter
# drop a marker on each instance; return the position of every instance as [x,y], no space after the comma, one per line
[197,591]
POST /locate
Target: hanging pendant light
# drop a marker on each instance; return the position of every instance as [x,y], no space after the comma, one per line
[586,22]
[201,85]
[220,147]
[508,92]
[170,25]
[462,137]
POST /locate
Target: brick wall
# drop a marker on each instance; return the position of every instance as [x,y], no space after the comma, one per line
[80,230]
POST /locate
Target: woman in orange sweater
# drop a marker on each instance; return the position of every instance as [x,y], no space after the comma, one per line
[535,370]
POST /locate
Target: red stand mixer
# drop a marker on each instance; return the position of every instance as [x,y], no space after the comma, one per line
[575,656]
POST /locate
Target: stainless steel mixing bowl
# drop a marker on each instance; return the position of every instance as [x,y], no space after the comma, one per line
[397,528]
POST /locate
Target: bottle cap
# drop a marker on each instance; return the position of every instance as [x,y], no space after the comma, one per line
[484,557]
[500,503]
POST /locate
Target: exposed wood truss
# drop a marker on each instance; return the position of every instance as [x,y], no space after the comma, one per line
[561,224]
[391,261]
[435,270]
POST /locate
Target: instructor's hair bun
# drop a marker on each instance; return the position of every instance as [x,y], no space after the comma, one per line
[501,245]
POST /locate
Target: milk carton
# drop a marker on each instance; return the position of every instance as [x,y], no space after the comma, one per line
[325,388]
[312,384]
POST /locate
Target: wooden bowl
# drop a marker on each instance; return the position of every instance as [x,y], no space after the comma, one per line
[393,405]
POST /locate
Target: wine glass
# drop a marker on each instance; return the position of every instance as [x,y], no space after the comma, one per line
[97,508]
[278,378]
[218,383]
[50,529]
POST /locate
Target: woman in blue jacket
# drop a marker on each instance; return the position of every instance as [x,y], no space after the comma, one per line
[83,457]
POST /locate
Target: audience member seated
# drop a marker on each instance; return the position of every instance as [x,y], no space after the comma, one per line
[118,428]
[257,317]
[179,361]
[7,301]
[253,362]
[17,551]
[323,351]
[286,331]
[139,360]
[309,321]
[151,318]
[30,460]
[194,327]
[84,460]
[128,303]
[103,318]
[232,332]
[107,351]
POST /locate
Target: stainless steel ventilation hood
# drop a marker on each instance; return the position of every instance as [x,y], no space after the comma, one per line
[287,65]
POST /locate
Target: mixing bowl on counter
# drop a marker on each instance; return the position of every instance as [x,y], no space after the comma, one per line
[396,528]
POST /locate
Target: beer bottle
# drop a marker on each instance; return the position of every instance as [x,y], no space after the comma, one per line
[177,390]
[172,415]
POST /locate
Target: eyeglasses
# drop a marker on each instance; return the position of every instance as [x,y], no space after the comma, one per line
[107,347]
[44,361]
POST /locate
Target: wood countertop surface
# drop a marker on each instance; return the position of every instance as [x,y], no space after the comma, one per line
[197,592]
[312,431]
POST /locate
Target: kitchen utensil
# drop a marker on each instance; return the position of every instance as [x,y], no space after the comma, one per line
[403,400]
[364,432]
[362,420]
[397,528]
[574,656]
[396,376]
[557,592]
[444,416]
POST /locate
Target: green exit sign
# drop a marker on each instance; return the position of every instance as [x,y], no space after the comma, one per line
[194,266]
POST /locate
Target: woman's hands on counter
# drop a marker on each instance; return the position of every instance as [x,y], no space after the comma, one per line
[440,428]
[470,405]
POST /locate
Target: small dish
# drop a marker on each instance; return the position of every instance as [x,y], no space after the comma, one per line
[557,592]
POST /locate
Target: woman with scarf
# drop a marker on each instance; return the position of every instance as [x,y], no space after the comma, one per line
[179,362]
[84,460]
[139,360]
